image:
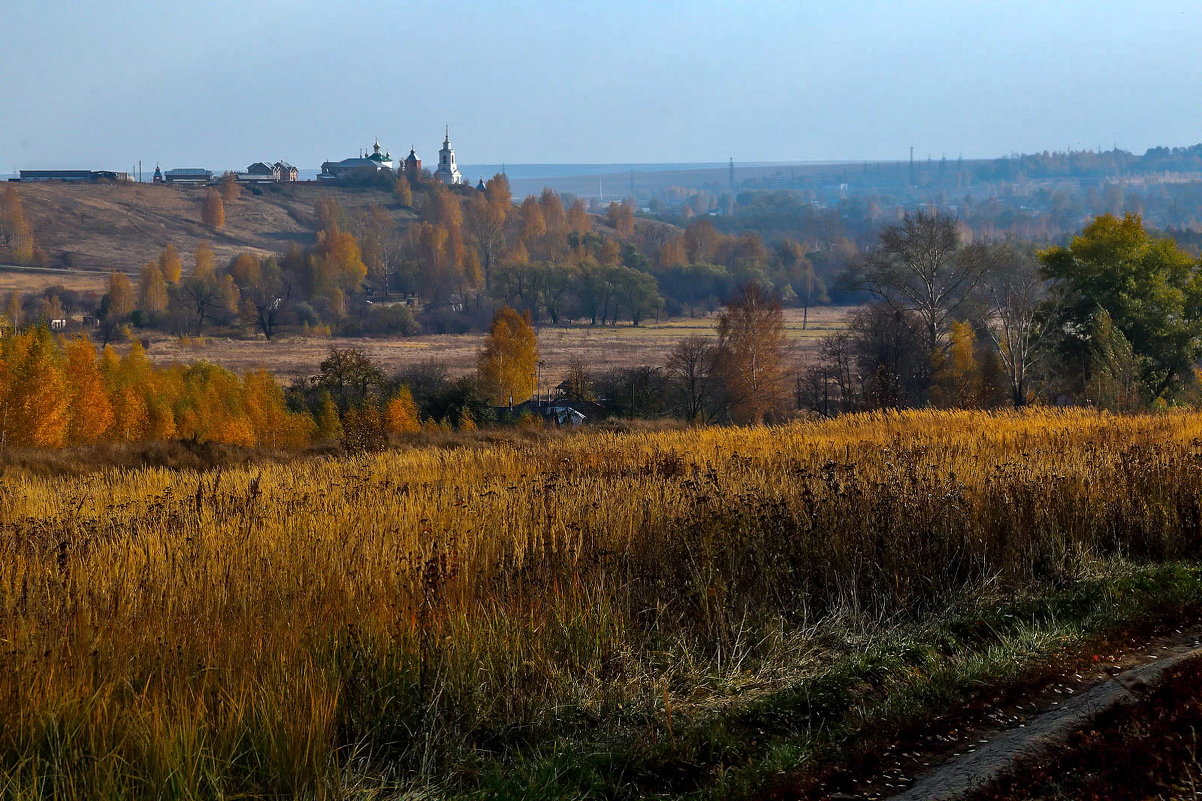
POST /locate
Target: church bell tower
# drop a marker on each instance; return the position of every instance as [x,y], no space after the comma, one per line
[448,171]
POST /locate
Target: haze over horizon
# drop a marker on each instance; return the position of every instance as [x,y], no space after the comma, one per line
[220,84]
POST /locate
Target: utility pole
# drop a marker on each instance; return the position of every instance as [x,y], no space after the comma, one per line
[911,165]
[731,169]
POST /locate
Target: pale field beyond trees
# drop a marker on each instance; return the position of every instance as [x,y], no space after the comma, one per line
[600,347]
[288,357]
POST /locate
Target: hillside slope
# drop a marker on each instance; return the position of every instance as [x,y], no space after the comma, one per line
[121,226]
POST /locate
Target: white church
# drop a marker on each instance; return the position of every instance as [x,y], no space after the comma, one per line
[448,170]
[379,160]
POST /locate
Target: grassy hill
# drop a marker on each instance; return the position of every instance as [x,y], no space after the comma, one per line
[121,226]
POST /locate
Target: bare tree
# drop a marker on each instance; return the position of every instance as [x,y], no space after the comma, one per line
[921,266]
[200,297]
[691,366]
[1016,323]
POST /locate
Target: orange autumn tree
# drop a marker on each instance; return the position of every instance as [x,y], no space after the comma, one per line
[17,241]
[751,354]
[212,211]
[400,415]
[507,364]
[275,426]
[37,404]
[55,393]
[91,408]
[209,406]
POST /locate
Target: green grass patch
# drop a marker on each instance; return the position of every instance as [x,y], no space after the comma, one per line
[873,690]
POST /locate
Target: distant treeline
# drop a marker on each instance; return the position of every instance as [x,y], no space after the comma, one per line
[440,260]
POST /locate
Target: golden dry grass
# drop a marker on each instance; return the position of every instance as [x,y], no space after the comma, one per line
[600,347]
[32,280]
[393,619]
[122,226]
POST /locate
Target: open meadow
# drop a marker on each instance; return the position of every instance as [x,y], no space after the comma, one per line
[696,612]
[32,280]
[599,347]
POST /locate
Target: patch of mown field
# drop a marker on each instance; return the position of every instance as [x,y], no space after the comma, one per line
[689,613]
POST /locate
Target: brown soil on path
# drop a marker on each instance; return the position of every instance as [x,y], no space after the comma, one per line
[888,765]
[1146,749]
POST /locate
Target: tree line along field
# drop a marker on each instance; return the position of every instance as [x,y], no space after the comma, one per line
[698,612]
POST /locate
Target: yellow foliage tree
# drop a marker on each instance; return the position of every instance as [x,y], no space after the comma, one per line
[340,262]
[152,289]
[507,363]
[273,424]
[400,416]
[329,425]
[403,192]
[229,189]
[212,211]
[578,220]
[171,265]
[246,269]
[130,415]
[621,218]
[958,378]
[122,300]
[206,262]
[14,310]
[16,234]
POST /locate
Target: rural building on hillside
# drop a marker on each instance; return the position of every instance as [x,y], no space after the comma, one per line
[78,176]
[412,165]
[188,175]
[287,172]
[377,161]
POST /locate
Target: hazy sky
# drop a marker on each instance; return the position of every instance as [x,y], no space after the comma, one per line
[221,83]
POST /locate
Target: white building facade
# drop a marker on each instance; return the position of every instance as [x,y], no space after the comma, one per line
[448,171]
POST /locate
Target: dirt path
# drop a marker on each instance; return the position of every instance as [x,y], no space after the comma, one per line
[1037,738]
[967,748]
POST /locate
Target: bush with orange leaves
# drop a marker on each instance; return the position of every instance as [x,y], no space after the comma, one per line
[54,394]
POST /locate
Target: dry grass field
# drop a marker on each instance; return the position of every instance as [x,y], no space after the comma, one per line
[32,280]
[604,615]
[122,226]
[600,347]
